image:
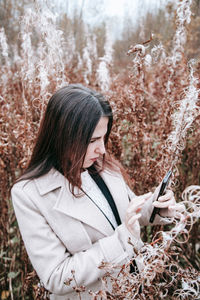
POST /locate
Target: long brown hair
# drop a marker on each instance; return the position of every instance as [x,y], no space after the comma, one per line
[69,121]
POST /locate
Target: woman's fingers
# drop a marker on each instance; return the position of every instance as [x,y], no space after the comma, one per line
[168,206]
[165,204]
[135,207]
[134,218]
[137,203]
[166,200]
[133,225]
[168,195]
[178,207]
[133,214]
[142,197]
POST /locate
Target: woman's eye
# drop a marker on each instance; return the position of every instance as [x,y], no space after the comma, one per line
[92,141]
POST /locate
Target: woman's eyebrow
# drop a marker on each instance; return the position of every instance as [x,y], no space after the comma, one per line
[95,137]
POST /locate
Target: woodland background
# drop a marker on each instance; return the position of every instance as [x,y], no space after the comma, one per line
[146,75]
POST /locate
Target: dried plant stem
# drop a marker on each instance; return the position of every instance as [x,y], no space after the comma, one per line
[182,119]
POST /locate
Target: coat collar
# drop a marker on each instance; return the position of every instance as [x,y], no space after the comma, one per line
[83,208]
[49,182]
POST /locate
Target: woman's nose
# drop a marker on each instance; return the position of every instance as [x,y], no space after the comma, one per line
[101,148]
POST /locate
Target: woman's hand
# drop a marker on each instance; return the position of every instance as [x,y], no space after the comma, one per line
[166,203]
[133,214]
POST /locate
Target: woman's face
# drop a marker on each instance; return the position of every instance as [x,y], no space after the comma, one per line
[96,146]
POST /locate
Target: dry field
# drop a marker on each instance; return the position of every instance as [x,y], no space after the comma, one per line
[156,105]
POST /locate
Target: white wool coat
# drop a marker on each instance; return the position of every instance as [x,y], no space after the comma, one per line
[63,233]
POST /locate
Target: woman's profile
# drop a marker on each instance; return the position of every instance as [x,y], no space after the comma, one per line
[72,204]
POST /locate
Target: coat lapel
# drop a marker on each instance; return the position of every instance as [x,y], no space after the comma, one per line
[83,208]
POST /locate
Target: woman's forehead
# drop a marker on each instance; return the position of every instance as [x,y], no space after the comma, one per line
[101,127]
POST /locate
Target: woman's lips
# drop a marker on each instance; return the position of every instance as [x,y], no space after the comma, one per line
[94,159]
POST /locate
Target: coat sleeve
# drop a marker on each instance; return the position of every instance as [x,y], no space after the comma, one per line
[50,258]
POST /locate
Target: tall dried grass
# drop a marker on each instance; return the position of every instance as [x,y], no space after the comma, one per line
[156,112]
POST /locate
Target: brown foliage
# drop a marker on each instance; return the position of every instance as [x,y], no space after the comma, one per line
[144,98]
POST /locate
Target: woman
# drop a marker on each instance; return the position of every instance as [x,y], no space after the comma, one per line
[62,203]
